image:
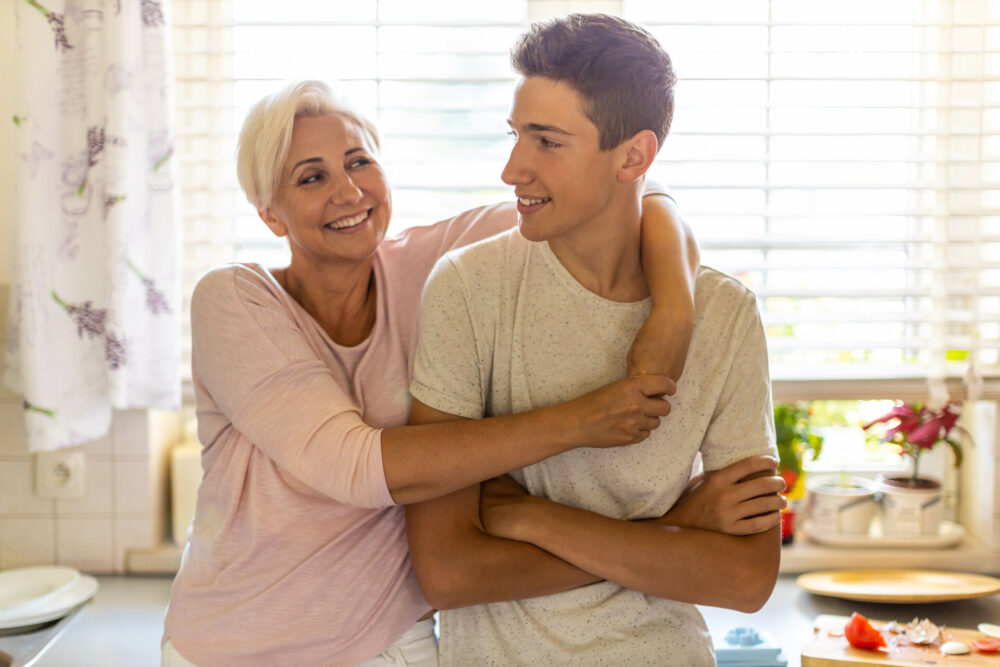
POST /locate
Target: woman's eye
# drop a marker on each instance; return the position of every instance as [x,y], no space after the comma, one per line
[308,179]
[359,162]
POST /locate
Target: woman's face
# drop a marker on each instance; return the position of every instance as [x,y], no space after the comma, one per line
[333,201]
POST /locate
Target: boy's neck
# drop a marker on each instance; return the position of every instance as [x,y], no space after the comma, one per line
[603,255]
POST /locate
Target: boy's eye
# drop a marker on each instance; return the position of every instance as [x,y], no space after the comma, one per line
[548,143]
[512,134]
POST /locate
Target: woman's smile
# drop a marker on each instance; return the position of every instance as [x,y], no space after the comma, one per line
[350,223]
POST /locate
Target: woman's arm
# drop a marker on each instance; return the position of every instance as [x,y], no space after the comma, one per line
[431,460]
[264,379]
[670,260]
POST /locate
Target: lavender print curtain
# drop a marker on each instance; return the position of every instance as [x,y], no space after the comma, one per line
[94,314]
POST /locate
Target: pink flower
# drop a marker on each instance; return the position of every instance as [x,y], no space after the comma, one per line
[918,428]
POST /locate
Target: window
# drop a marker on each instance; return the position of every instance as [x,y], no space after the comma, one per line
[840,158]
[434,75]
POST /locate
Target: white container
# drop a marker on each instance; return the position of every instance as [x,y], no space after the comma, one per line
[840,507]
[185,477]
[909,512]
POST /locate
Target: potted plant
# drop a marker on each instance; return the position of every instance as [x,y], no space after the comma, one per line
[911,504]
[794,439]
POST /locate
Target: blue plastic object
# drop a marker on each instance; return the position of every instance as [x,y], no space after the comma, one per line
[747,647]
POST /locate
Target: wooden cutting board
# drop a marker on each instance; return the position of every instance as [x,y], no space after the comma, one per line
[832,650]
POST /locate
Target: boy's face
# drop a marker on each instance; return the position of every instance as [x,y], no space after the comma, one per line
[563,181]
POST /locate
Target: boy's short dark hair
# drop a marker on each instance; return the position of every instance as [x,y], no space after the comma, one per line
[620,69]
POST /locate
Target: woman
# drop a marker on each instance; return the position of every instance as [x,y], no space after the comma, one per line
[297,554]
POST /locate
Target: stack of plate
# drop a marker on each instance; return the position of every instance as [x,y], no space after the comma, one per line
[35,595]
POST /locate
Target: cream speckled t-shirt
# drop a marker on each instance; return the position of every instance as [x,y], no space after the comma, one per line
[504,328]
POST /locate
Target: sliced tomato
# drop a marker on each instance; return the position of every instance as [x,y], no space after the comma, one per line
[986,644]
[861,634]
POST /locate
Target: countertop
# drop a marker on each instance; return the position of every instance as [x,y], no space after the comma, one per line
[122,625]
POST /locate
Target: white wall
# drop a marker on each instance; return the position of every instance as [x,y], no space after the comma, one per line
[7,64]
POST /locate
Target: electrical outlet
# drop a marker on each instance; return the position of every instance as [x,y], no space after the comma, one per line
[60,474]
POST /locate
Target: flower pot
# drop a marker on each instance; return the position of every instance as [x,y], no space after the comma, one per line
[908,509]
[840,507]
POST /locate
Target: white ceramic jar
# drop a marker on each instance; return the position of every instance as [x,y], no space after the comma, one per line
[840,506]
[909,511]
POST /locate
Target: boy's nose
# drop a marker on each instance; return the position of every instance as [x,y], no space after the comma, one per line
[514,172]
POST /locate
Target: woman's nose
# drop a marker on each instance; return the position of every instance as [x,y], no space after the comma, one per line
[345,191]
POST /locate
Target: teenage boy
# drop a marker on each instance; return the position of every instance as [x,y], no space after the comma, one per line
[585,569]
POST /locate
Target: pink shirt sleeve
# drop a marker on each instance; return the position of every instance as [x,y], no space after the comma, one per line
[253,358]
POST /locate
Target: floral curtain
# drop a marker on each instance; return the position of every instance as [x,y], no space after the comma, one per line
[94,321]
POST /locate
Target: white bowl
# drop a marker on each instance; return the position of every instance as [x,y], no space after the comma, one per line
[25,589]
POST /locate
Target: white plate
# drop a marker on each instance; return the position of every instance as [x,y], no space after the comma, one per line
[27,588]
[56,606]
[949,534]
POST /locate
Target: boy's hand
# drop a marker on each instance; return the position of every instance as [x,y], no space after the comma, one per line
[499,500]
[661,346]
[740,499]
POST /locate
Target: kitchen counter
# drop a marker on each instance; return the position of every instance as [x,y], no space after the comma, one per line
[120,627]
[123,623]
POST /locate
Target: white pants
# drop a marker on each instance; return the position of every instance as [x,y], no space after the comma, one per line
[416,648]
[169,657]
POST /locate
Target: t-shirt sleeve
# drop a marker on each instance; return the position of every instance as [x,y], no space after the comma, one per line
[460,230]
[651,187]
[252,357]
[743,422]
[448,373]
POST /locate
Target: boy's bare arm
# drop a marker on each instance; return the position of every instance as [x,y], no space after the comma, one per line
[678,563]
[458,564]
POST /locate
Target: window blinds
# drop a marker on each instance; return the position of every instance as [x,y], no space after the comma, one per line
[840,158]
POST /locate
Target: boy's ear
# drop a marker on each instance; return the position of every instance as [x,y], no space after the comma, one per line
[276,226]
[639,151]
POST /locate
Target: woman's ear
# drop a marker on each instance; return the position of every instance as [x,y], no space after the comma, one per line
[638,153]
[276,226]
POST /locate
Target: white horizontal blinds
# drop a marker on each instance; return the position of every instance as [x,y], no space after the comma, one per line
[205,139]
[434,75]
[842,159]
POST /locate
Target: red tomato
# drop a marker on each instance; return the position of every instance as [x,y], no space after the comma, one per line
[861,634]
[986,644]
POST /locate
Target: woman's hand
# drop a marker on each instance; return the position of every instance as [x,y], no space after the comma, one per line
[620,413]
[661,346]
[740,499]
[500,499]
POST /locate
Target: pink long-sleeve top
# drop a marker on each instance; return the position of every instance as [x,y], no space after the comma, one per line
[297,554]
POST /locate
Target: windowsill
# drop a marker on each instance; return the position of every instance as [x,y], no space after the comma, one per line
[969,555]
[907,389]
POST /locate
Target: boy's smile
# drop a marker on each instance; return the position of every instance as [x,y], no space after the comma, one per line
[564,183]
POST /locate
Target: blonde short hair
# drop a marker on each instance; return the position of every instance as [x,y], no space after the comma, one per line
[267,134]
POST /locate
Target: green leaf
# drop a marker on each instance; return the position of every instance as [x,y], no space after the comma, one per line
[957,449]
